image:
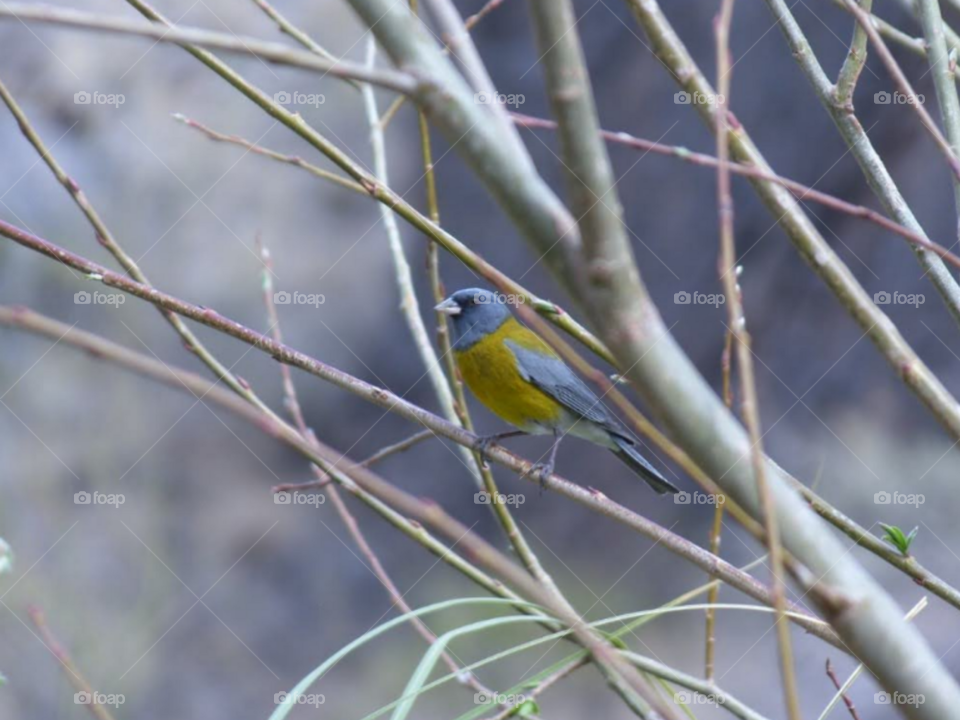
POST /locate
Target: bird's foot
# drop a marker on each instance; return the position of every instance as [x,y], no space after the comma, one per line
[541,471]
[484,443]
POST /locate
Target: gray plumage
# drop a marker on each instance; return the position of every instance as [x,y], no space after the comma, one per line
[588,418]
[479,316]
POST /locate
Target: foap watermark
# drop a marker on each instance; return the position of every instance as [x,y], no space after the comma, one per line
[485,498]
[698,498]
[298,298]
[498,98]
[898,698]
[285,698]
[898,498]
[299,498]
[497,298]
[98,498]
[495,698]
[98,698]
[98,298]
[688,697]
[699,298]
[98,98]
[298,98]
[697,98]
[898,298]
[896,98]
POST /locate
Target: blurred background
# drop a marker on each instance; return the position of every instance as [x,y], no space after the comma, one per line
[201,597]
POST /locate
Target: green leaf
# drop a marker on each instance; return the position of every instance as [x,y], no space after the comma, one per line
[528,708]
[896,537]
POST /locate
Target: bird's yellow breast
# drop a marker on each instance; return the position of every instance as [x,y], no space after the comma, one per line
[489,369]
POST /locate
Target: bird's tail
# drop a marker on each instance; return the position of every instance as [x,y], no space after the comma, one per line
[630,456]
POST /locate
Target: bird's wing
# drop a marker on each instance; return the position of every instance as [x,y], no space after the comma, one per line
[552,376]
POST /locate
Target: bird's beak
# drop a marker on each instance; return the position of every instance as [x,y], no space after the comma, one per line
[448,307]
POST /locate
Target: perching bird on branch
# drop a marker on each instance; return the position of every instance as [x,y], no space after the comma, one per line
[523,381]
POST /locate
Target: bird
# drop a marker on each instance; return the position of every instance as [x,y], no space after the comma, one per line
[520,379]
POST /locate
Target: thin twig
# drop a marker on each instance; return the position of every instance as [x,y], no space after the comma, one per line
[296,33]
[397,447]
[711,637]
[716,530]
[290,399]
[738,326]
[294,160]
[73,674]
[836,683]
[379,455]
[269,51]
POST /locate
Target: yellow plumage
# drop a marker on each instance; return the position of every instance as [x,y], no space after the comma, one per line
[489,369]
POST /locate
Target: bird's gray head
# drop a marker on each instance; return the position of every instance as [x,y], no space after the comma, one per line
[475,313]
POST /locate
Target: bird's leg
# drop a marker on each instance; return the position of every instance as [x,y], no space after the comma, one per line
[487,440]
[545,470]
